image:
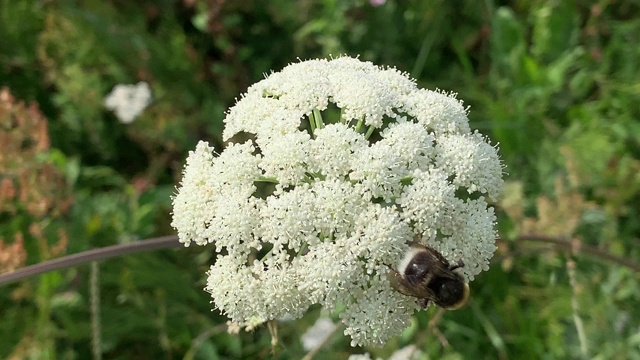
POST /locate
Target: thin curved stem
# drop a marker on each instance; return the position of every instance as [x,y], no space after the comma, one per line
[577,247]
[90,255]
[94,294]
[575,306]
[200,339]
[313,352]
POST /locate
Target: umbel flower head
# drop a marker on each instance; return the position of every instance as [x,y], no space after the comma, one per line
[343,164]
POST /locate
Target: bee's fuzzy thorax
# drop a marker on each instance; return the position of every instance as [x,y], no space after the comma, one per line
[407,257]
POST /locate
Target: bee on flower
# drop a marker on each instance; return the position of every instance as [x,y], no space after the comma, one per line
[361,162]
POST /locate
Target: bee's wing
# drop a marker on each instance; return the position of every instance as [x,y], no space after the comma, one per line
[437,257]
[400,284]
[437,267]
[437,262]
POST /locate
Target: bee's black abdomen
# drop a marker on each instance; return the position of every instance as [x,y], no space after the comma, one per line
[449,292]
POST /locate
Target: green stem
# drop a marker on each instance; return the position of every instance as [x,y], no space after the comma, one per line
[369,132]
[44,329]
[197,342]
[317,115]
[577,320]
[359,125]
[94,294]
[312,123]
[267,179]
[303,247]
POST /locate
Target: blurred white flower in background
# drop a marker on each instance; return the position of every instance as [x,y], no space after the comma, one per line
[347,162]
[365,356]
[128,101]
[409,352]
[317,334]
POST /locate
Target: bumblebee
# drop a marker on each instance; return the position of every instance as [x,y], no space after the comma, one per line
[425,274]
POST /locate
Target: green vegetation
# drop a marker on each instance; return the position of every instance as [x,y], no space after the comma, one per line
[556,83]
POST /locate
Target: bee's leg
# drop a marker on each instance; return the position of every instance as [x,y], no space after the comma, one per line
[458,265]
[398,282]
[423,303]
[395,278]
[394,271]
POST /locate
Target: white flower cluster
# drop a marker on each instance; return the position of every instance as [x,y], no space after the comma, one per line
[128,101]
[345,163]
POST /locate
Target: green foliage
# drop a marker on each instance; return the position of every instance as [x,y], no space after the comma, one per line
[556,83]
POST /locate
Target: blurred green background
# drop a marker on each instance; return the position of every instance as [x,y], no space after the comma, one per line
[556,83]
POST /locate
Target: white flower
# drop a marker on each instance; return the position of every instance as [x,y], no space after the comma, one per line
[128,101]
[378,314]
[437,112]
[404,147]
[216,203]
[284,157]
[473,163]
[474,240]
[428,203]
[347,163]
[333,148]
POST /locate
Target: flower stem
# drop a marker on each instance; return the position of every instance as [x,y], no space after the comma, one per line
[577,247]
[267,179]
[312,124]
[90,255]
[317,115]
[575,306]
[369,132]
[94,293]
[359,125]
